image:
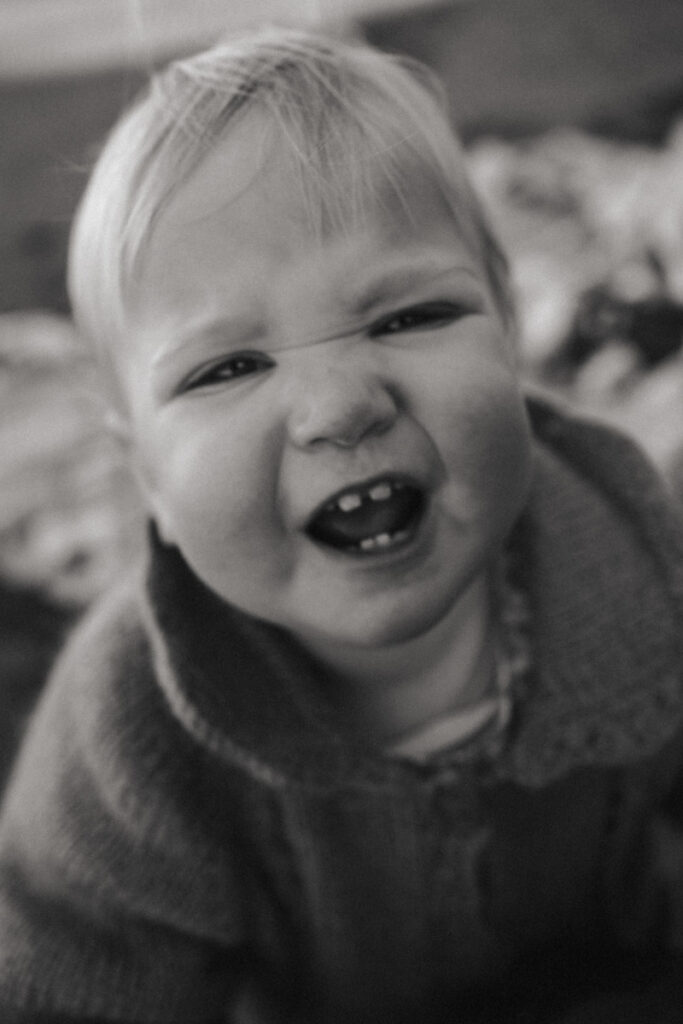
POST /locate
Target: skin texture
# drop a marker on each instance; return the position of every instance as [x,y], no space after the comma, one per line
[332,388]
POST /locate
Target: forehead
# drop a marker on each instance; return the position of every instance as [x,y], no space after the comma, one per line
[246,214]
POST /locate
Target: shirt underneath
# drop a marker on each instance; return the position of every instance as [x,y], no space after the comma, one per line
[487,717]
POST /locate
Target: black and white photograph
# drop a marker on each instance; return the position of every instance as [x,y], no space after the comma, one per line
[341,512]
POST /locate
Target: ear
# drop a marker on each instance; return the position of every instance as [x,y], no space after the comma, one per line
[152,499]
[120,430]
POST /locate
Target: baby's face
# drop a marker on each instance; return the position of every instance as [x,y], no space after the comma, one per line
[331,432]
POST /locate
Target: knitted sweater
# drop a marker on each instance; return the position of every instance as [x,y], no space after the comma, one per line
[187,817]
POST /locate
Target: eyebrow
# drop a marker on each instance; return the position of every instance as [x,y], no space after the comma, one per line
[402,277]
[204,328]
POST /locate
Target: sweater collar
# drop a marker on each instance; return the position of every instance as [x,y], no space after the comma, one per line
[602,561]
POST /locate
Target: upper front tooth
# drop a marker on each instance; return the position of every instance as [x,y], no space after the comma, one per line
[348,502]
[380,492]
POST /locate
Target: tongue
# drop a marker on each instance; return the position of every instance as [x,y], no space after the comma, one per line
[346,529]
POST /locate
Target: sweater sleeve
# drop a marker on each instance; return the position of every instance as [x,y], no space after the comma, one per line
[114,902]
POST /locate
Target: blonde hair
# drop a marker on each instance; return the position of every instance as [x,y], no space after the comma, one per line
[342,111]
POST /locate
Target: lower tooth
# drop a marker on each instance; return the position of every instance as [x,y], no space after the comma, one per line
[383,540]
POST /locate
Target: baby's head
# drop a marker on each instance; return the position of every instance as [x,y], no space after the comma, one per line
[350,126]
[292,285]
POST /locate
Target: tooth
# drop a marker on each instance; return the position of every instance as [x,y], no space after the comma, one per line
[380,492]
[383,540]
[368,544]
[348,502]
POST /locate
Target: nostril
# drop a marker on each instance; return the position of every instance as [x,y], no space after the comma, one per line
[342,417]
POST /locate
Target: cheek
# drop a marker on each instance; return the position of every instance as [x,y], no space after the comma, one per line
[488,448]
[213,488]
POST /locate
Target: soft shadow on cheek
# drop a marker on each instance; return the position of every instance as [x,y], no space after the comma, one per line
[508,452]
[490,454]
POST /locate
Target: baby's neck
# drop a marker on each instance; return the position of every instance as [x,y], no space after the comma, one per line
[384,693]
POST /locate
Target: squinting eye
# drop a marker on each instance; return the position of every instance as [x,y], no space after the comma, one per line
[425,317]
[226,369]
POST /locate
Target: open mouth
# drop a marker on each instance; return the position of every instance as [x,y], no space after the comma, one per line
[375,517]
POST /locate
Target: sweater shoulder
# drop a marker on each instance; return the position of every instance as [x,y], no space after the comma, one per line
[116,886]
[618,471]
[107,643]
[107,777]
[603,558]
[102,693]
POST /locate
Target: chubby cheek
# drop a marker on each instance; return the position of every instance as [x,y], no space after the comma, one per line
[215,498]
[487,453]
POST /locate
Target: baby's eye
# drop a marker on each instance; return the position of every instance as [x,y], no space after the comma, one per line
[427,316]
[226,369]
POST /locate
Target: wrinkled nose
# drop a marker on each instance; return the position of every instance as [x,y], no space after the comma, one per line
[341,408]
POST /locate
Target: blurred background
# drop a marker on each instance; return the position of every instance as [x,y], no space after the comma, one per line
[573,119]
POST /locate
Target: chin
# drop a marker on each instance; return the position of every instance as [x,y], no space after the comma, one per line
[390,628]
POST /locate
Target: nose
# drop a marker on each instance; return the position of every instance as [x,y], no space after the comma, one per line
[340,406]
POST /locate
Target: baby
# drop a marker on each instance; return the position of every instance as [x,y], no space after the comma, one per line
[386,729]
